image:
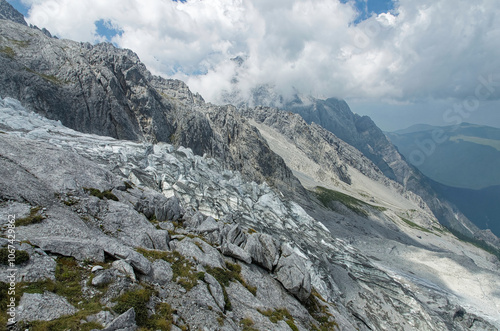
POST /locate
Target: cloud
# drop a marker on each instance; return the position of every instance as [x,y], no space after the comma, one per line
[421,50]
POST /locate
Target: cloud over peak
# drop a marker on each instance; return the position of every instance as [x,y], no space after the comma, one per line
[419,50]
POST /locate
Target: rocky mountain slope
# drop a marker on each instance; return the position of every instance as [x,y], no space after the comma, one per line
[182,233]
[201,216]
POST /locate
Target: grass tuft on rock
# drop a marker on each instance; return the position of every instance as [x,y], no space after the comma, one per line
[33,218]
[184,271]
[101,195]
[317,308]
[20,256]
[137,299]
[327,197]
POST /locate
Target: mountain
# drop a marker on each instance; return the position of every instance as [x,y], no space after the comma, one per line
[362,133]
[465,155]
[480,206]
[138,204]
[463,161]
[7,12]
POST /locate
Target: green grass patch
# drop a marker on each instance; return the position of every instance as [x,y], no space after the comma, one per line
[476,242]
[184,271]
[280,314]
[251,231]
[33,218]
[50,78]
[137,299]
[414,225]
[247,324]
[8,51]
[19,256]
[316,307]
[101,195]
[231,273]
[69,276]
[72,322]
[326,197]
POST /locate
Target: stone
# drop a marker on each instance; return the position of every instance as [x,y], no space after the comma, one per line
[292,273]
[236,236]
[119,251]
[124,322]
[103,278]
[160,239]
[97,268]
[77,248]
[263,249]
[237,252]
[125,268]
[216,290]
[201,251]
[162,272]
[208,225]
[103,317]
[43,307]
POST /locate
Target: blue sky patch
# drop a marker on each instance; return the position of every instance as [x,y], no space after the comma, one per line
[107,30]
[368,7]
[19,7]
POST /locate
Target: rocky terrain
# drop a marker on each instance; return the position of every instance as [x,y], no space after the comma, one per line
[156,220]
[137,204]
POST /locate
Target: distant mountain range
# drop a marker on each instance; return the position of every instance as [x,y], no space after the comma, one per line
[464,162]
[466,155]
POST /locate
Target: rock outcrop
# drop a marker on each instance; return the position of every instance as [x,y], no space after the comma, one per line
[292,255]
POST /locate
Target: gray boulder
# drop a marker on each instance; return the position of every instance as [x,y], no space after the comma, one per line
[292,273]
[119,251]
[208,225]
[162,272]
[237,252]
[103,317]
[80,250]
[236,236]
[155,240]
[43,307]
[124,322]
[216,290]
[200,251]
[125,268]
[102,278]
[263,249]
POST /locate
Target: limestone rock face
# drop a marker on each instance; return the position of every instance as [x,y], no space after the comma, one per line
[124,322]
[292,273]
[263,250]
[43,307]
[7,12]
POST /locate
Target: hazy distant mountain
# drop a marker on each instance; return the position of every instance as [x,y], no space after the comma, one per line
[466,156]
[480,206]
[464,162]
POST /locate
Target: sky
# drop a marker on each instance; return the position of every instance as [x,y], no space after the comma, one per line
[401,62]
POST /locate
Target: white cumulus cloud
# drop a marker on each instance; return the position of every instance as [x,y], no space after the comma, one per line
[421,50]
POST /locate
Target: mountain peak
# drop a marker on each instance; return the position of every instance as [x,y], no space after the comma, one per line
[7,12]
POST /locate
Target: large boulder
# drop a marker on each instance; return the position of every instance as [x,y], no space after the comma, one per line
[200,251]
[43,307]
[124,322]
[292,273]
[77,248]
[162,272]
[263,249]
[237,252]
